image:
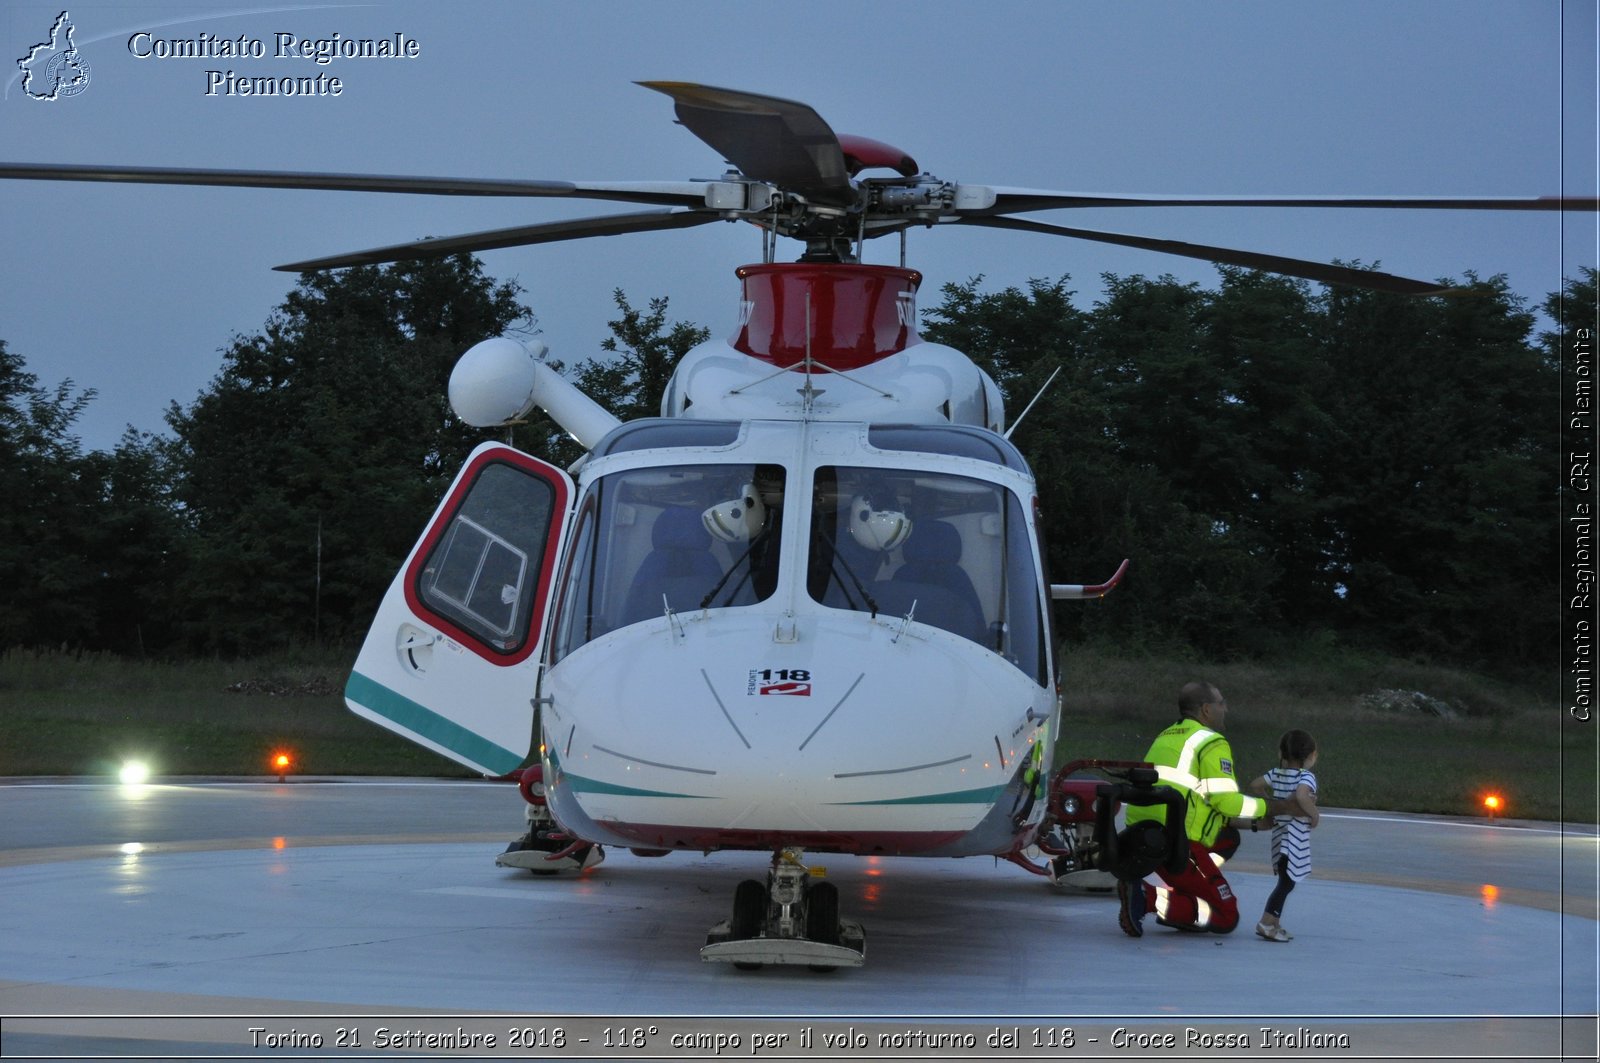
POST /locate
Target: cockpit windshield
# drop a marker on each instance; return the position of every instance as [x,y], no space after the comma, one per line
[950,551]
[678,538]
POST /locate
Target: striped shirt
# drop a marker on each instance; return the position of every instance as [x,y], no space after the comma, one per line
[1291,836]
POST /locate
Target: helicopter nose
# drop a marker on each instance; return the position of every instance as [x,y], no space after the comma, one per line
[843,730]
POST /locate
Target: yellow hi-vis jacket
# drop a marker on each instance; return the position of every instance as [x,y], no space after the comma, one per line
[1198,763]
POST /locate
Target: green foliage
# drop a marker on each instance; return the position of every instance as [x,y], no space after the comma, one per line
[138,544]
[36,462]
[308,468]
[1574,307]
[632,382]
[1127,452]
[1277,463]
[75,529]
[1434,472]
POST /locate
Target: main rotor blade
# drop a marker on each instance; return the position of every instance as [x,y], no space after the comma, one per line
[1292,267]
[518,236]
[782,142]
[1014,200]
[663,193]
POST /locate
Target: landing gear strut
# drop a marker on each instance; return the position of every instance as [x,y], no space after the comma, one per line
[545,849]
[791,919]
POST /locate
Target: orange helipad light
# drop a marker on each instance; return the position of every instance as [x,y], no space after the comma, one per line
[1492,803]
[281,763]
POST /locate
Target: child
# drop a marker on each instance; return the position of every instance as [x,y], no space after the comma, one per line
[1291,835]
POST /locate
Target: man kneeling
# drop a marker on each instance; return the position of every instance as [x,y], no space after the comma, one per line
[1194,759]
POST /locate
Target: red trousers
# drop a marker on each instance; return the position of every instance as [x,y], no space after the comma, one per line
[1199,898]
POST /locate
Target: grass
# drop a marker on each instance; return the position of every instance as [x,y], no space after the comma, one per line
[83,715]
[67,715]
[1512,739]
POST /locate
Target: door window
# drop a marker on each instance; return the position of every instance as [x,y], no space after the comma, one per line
[480,574]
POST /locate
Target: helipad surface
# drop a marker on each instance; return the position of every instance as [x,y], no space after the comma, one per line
[1417,937]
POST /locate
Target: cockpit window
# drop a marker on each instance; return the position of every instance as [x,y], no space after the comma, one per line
[950,551]
[679,538]
[960,440]
[657,432]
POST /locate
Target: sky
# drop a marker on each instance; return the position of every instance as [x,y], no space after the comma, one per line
[136,291]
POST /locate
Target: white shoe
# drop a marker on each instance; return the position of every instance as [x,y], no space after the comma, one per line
[1273,933]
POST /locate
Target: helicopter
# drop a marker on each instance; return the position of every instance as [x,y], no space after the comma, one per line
[806,609]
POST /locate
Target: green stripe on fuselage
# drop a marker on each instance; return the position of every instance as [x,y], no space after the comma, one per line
[987,795]
[583,785]
[424,722]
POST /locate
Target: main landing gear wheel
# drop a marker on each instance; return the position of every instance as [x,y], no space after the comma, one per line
[792,920]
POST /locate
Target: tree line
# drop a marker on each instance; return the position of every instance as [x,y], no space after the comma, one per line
[1286,464]
[1281,462]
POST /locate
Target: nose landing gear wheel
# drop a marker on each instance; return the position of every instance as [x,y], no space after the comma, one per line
[793,919]
[822,918]
[749,916]
[822,913]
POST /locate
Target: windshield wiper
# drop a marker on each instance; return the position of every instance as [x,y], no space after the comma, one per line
[833,570]
[740,560]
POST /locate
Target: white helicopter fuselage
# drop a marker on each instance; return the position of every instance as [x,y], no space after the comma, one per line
[795,719]
[807,608]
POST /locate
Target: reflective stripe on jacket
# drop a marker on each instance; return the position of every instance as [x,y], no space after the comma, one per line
[1198,763]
